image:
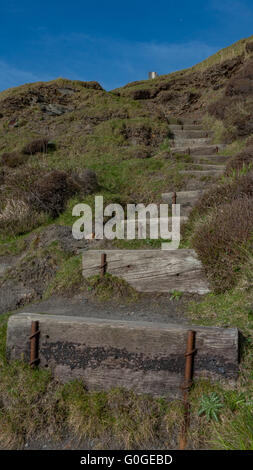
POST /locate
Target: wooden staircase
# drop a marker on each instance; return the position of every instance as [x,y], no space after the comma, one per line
[172,270]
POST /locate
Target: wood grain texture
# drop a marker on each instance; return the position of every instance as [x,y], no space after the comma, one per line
[144,357]
[215,173]
[185,198]
[142,226]
[200,150]
[151,270]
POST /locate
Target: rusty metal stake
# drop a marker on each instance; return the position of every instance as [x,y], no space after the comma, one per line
[174,198]
[217,149]
[190,350]
[34,344]
[189,151]
[103,265]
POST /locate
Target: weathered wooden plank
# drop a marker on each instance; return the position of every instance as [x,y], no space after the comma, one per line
[215,173]
[182,141]
[151,270]
[142,226]
[208,166]
[201,150]
[189,134]
[186,127]
[211,158]
[144,357]
[187,199]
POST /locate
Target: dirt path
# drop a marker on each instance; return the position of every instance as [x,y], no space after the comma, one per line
[158,308]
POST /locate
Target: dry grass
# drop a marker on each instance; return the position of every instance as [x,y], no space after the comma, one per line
[240,162]
[227,53]
[17,218]
[13,159]
[51,192]
[15,210]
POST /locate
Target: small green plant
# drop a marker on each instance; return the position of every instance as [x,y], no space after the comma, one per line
[165,145]
[176,295]
[210,406]
[234,400]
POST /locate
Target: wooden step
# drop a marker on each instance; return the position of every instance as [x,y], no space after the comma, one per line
[200,173]
[210,158]
[200,150]
[151,270]
[207,166]
[190,134]
[141,356]
[186,199]
[186,127]
[187,121]
[181,142]
[183,197]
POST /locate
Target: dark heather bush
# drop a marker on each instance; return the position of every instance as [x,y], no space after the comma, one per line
[138,151]
[1,177]
[51,192]
[239,86]
[36,146]
[13,159]
[140,94]
[247,70]
[219,241]
[86,180]
[140,134]
[235,107]
[165,96]
[249,47]
[241,160]
[219,194]
[219,108]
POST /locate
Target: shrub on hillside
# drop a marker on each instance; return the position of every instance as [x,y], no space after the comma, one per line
[219,108]
[247,70]
[140,94]
[249,47]
[36,146]
[239,118]
[92,85]
[219,240]
[86,180]
[51,192]
[1,177]
[235,106]
[16,218]
[165,96]
[13,159]
[138,151]
[227,192]
[241,160]
[239,86]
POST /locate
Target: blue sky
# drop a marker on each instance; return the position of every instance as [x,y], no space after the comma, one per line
[113,42]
